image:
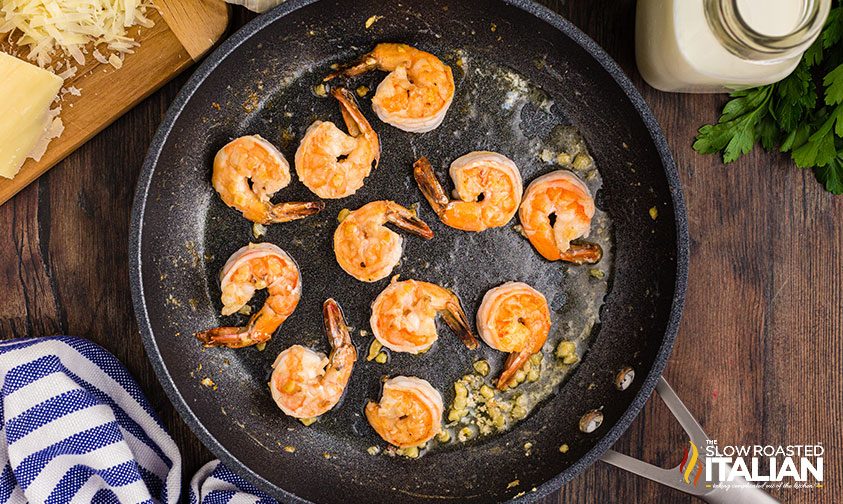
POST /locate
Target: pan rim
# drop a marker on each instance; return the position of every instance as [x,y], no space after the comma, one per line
[231,44]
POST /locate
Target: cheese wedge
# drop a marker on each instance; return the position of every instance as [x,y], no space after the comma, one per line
[26,122]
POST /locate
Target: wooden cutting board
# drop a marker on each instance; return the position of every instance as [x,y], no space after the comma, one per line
[184,31]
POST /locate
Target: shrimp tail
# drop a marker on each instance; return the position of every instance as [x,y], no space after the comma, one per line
[512,365]
[456,319]
[354,120]
[259,330]
[365,63]
[231,337]
[430,186]
[408,221]
[582,252]
[293,210]
[335,326]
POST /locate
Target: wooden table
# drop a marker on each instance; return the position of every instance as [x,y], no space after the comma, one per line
[758,358]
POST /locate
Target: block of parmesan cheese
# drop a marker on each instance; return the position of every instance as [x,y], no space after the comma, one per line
[27,122]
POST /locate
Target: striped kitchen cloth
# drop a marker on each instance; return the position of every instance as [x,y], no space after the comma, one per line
[214,483]
[76,428]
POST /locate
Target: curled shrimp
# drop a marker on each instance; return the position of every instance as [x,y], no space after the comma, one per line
[404,316]
[560,195]
[247,172]
[487,190]
[409,412]
[255,267]
[333,164]
[306,384]
[368,250]
[514,318]
[416,94]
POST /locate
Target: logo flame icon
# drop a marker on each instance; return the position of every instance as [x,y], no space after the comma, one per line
[690,463]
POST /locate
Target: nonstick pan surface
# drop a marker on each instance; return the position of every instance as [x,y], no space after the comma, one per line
[522,72]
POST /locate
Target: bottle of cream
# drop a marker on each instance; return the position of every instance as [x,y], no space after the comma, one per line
[713,46]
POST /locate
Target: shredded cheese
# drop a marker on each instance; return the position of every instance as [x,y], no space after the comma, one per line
[70,28]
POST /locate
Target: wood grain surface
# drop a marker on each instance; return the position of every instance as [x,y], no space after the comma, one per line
[184,30]
[758,358]
[197,25]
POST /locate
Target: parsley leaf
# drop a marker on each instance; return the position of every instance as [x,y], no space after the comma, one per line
[817,151]
[829,37]
[735,133]
[767,132]
[814,54]
[794,97]
[833,28]
[831,175]
[833,82]
[796,138]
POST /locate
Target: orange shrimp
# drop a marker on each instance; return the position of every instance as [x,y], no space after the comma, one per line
[255,267]
[487,190]
[404,316]
[563,196]
[333,164]
[368,250]
[306,384]
[409,412]
[514,318]
[416,94]
[247,172]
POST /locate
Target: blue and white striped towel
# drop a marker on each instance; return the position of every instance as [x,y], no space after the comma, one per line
[76,428]
[214,483]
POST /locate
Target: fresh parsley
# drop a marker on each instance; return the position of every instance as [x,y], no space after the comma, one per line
[801,114]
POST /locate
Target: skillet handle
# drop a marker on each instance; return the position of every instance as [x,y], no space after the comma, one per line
[738,495]
[736,492]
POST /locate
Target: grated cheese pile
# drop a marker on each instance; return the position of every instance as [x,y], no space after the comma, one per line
[68,28]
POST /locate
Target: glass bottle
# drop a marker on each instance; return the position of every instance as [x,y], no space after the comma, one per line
[712,46]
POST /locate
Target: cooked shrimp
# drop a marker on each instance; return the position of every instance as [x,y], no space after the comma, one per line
[416,94]
[487,188]
[306,384]
[368,250]
[514,317]
[255,267]
[404,316]
[333,164]
[564,197]
[247,172]
[409,412]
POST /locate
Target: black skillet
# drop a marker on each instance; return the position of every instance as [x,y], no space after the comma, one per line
[261,81]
